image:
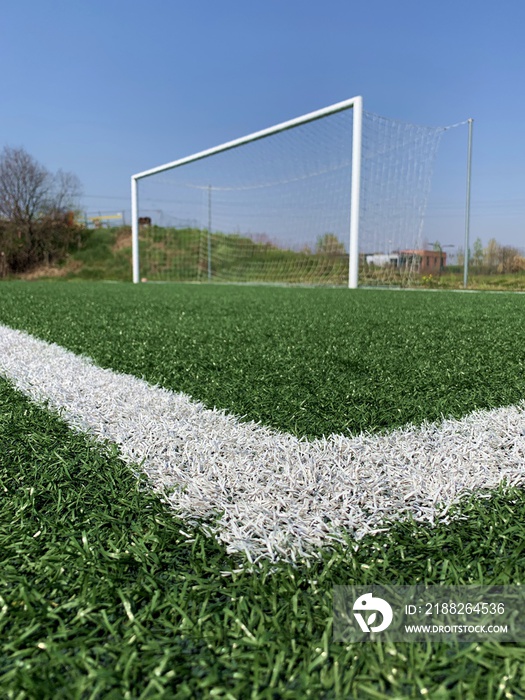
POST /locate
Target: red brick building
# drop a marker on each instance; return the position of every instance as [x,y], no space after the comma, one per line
[426,261]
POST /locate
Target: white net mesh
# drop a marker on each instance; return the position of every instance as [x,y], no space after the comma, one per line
[278,209]
[398,161]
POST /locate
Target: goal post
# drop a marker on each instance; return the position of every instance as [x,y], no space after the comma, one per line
[354,103]
[335,197]
[357,138]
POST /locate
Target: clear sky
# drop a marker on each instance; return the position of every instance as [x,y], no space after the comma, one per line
[107,88]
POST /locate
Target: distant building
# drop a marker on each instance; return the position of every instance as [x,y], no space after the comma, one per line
[428,261]
[382,259]
[425,261]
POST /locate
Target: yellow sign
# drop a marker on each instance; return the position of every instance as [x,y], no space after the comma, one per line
[104,217]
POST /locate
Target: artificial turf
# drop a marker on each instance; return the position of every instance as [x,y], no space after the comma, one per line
[307,361]
[105,594]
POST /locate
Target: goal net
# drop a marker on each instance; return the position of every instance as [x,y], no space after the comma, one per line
[330,198]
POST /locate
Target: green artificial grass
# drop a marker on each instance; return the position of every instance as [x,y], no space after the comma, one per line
[307,361]
[105,594]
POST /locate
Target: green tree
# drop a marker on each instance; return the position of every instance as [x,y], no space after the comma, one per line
[477,255]
[329,244]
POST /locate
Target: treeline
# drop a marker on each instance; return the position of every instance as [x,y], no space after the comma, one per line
[37,213]
[494,257]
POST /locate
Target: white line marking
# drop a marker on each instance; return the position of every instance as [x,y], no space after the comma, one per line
[271,494]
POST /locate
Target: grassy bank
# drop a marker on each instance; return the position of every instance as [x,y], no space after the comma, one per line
[106,255]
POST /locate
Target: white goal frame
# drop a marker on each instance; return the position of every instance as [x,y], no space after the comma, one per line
[355,103]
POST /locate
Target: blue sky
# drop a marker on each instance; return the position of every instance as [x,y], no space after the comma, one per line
[109,88]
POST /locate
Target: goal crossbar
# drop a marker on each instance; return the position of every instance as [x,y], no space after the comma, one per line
[355,103]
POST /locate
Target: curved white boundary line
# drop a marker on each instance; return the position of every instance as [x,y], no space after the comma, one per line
[272,495]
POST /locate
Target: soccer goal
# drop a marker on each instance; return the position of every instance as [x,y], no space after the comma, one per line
[335,197]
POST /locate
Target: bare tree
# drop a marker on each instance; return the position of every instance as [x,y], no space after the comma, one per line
[24,186]
[65,192]
[509,259]
[36,224]
[492,255]
[29,192]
